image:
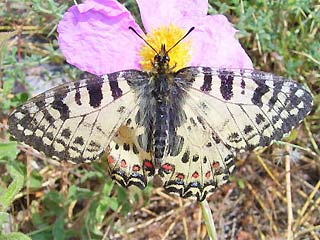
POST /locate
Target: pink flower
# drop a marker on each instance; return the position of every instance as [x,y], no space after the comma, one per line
[95,36]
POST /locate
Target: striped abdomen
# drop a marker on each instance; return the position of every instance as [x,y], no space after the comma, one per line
[161,118]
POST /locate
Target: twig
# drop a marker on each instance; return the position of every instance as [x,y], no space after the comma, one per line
[199,218]
[308,150]
[288,194]
[165,236]
[312,140]
[310,229]
[267,170]
[306,205]
[308,56]
[184,222]
[263,206]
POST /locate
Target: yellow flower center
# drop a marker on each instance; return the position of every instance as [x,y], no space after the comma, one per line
[179,55]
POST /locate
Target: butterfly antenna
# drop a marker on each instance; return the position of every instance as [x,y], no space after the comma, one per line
[190,30]
[133,30]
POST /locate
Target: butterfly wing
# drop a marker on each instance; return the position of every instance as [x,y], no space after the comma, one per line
[76,121]
[204,162]
[228,111]
[129,163]
[247,108]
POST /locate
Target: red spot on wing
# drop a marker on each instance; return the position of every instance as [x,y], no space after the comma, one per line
[147,164]
[195,174]
[136,168]
[216,164]
[167,167]
[110,159]
[208,174]
[123,163]
[180,176]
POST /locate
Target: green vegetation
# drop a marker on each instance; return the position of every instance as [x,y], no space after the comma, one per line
[45,200]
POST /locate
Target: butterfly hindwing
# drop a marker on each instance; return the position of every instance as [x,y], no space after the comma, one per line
[129,163]
[76,121]
[203,164]
[246,108]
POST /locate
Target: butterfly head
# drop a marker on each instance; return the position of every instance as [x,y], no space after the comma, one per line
[161,60]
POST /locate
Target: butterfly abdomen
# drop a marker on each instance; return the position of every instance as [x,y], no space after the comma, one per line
[160,93]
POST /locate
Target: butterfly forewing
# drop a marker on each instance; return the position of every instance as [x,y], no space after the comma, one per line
[76,121]
[246,108]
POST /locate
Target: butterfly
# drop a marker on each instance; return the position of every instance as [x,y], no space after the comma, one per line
[185,126]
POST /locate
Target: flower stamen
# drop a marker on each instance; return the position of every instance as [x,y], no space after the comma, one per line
[169,36]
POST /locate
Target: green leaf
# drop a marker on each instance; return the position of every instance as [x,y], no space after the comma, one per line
[58,229]
[101,210]
[38,221]
[241,184]
[107,188]
[292,136]
[122,194]
[43,233]
[8,196]
[76,193]
[35,180]
[8,150]
[14,236]
[113,204]
[54,203]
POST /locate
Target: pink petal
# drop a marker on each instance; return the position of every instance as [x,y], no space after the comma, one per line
[94,36]
[214,43]
[156,13]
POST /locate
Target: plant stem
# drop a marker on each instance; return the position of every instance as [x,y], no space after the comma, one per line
[208,219]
